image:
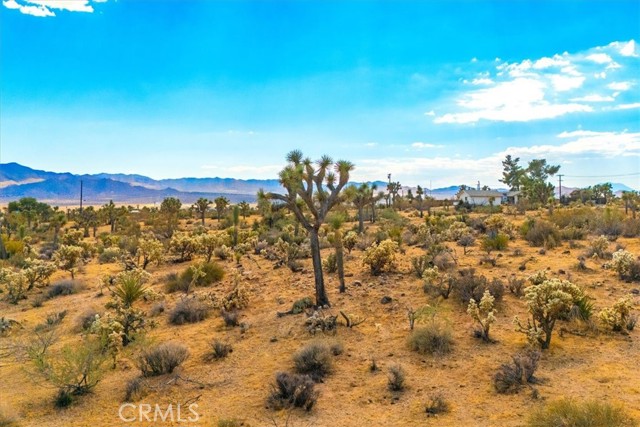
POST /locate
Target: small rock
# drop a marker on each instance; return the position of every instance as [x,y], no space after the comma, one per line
[386,300]
[357,283]
[635,291]
[561,271]
[273,339]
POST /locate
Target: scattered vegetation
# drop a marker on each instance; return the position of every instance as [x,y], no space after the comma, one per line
[162,359]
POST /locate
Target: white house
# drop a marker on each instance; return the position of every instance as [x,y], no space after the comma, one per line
[488,197]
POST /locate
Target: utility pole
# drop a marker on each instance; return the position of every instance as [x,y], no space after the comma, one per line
[80,196]
[560,187]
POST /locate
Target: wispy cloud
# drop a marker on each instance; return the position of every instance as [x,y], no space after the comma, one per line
[47,8]
[544,88]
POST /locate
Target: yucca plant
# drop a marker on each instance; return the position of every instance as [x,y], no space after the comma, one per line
[130,286]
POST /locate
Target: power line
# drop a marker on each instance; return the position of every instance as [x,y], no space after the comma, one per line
[602,176]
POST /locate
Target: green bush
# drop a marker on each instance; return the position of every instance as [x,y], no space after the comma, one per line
[314,360]
[210,272]
[292,390]
[433,338]
[162,359]
[580,414]
[498,242]
[540,233]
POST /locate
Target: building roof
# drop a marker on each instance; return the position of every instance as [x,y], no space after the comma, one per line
[483,193]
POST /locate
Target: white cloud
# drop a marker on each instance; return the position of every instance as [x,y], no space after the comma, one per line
[625,49]
[423,145]
[39,11]
[544,88]
[593,98]
[430,113]
[43,8]
[519,100]
[619,86]
[600,58]
[628,106]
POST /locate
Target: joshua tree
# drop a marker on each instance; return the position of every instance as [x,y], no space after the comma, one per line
[245,209]
[201,206]
[170,210]
[335,237]
[311,193]
[109,211]
[360,197]
[221,204]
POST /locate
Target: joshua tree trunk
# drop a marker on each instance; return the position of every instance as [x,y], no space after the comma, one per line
[360,219]
[340,262]
[321,294]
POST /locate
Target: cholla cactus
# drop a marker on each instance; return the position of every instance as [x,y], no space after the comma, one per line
[457,230]
[483,313]
[618,316]
[621,263]
[37,272]
[110,335]
[538,277]
[497,223]
[350,240]
[149,250]
[431,275]
[16,285]
[381,257]
[184,245]
[599,246]
[68,258]
[547,302]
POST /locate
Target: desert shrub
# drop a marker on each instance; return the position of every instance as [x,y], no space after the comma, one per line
[617,317]
[631,227]
[548,302]
[483,313]
[301,305]
[435,338]
[157,309]
[436,405]
[237,298]
[188,310]
[466,241]
[330,264]
[86,319]
[74,372]
[516,286]
[135,389]
[582,309]
[336,349]
[512,376]
[540,233]
[210,273]
[230,317]
[598,247]
[162,359]
[396,378]
[64,287]
[52,319]
[580,414]
[610,222]
[497,242]
[38,301]
[469,286]
[314,359]
[109,255]
[381,257]
[218,350]
[292,391]
[183,246]
[444,261]
[222,422]
[572,233]
[223,252]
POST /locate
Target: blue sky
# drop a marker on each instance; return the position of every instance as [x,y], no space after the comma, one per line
[432,91]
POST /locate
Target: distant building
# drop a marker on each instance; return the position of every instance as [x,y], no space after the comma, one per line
[488,197]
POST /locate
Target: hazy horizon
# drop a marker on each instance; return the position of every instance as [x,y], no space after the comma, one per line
[435,93]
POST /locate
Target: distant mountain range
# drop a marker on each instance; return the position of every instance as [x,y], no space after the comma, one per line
[18,181]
